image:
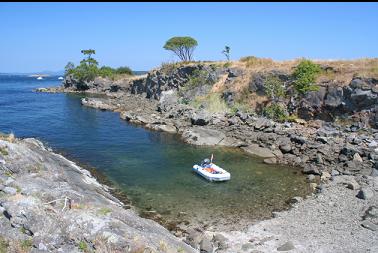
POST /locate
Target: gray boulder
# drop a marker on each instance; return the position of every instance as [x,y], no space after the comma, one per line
[369,225]
[201,118]
[262,123]
[286,247]
[365,193]
[202,136]
[311,169]
[206,245]
[10,190]
[255,149]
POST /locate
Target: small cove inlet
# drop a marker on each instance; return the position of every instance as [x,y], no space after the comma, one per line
[152,168]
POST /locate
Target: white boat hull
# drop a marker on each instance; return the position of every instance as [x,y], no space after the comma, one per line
[221,175]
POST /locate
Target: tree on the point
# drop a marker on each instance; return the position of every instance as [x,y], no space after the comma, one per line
[183,47]
[226,52]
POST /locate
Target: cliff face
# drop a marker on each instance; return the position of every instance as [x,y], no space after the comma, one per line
[49,203]
[336,97]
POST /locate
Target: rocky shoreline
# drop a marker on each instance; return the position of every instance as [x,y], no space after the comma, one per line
[48,203]
[340,160]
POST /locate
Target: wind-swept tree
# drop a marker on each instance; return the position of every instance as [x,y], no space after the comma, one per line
[183,47]
[69,68]
[89,60]
[226,52]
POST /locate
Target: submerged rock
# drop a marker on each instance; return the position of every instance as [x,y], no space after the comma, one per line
[201,136]
[255,149]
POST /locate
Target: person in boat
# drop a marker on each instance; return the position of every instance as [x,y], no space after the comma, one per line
[206,163]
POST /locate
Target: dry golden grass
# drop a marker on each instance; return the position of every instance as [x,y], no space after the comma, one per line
[219,86]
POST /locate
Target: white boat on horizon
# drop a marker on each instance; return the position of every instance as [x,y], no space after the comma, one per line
[40,78]
[211,172]
[60,78]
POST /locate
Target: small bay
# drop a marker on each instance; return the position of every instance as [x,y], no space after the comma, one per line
[152,168]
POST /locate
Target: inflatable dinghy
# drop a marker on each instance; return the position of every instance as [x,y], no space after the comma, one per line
[212,172]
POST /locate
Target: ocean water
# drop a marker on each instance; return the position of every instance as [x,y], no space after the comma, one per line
[152,168]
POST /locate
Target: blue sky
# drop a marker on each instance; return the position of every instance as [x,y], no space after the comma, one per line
[45,36]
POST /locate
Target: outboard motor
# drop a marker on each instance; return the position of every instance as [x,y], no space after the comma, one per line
[205,162]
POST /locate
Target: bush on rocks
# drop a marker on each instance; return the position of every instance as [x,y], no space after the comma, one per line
[305,76]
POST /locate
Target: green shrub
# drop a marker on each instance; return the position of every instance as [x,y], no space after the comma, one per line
[168,67]
[276,112]
[124,71]
[106,71]
[88,69]
[26,244]
[215,103]
[4,151]
[198,78]
[69,68]
[85,73]
[212,102]
[274,87]
[305,74]
[227,64]
[83,246]
[237,106]
[104,210]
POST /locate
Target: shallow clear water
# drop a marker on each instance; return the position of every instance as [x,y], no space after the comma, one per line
[153,168]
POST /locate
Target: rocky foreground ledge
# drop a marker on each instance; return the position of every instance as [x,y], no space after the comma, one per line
[342,218]
[48,203]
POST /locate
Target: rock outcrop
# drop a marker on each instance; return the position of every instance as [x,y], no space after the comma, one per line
[48,203]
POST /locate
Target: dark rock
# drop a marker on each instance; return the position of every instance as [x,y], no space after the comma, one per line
[365,193]
[321,139]
[233,121]
[311,105]
[296,200]
[369,225]
[298,139]
[200,119]
[334,98]
[349,151]
[311,169]
[257,84]
[228,97]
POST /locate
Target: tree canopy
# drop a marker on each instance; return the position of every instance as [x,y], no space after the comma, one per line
[183,47]
[88,69]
